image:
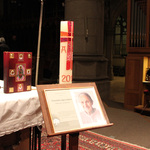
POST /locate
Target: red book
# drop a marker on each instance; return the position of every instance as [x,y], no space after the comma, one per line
[17,71]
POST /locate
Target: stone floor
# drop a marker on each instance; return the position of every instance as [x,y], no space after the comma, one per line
[128,125]
[117,89]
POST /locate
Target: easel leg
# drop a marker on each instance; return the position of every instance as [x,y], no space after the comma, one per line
[73,141]
[63,142]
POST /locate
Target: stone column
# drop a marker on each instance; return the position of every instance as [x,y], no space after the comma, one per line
[109,33]
[89,63]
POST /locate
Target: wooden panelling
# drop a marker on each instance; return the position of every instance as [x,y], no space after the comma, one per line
[138,48]
[132,99]
[133,81]
[133,73]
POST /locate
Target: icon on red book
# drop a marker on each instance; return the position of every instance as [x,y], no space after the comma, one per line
[17,71]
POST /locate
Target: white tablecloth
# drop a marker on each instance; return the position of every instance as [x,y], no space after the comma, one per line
[19,110]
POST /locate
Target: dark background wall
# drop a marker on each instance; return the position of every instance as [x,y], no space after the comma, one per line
[19,24]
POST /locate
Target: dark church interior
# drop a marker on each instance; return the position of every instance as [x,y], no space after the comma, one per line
[111,48]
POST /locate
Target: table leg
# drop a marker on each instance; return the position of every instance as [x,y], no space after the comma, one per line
[36,136]
[39,137]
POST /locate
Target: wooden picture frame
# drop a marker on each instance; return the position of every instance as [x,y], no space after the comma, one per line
[63,108]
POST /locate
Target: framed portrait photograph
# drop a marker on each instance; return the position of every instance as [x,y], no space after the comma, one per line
[69,108]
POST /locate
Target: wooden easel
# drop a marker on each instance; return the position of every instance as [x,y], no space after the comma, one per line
[63,89]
